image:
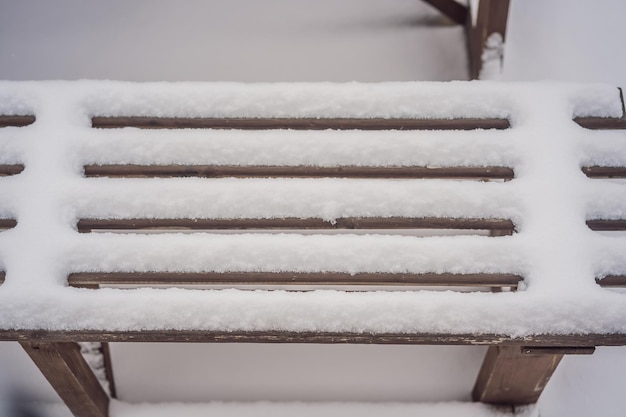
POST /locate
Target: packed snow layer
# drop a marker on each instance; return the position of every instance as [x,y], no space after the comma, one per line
[549,201]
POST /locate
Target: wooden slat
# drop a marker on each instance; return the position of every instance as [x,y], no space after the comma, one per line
[601,123]
[505,225]
[612,281]
[297,123]
[605,172]
[220,171]
[322,337]
[510,377]
[7,223]
[607,225]
[455,11]
[65,368]
[12,169]
[19,121]
[89,279]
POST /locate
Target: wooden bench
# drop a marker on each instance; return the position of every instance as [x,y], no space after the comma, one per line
[272,183]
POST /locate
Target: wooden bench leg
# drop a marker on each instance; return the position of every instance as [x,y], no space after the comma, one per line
[516,375]
[509,376]
[65,368]
[108,368]
[490,25]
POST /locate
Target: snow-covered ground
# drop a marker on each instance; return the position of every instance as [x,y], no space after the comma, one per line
[301,41]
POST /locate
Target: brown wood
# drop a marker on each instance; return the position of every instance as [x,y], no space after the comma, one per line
[2,277]
[612,281]
[601,123]
[452,9]
[505,225]
[12,169]
[297,123]
[65,368]
[564,350]
[19,121]
[84,279]
[108,368]
[492,18]
[509,376]
[607,225]
[7,223]
[242,171]
[605,172]
[322,337]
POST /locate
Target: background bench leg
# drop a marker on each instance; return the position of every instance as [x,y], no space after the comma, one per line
[491,19]
[65,368]
[509,376]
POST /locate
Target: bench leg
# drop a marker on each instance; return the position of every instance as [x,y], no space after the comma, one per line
[65,368]
[108,368]
[491,20]
[510,376]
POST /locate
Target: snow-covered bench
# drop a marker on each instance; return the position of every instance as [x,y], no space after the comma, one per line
[518,176]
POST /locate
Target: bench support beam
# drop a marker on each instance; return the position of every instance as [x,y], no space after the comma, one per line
[514,376]
[453,10]
[71,377]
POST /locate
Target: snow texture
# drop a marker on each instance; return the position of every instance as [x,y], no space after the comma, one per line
[548,200]
[491,58]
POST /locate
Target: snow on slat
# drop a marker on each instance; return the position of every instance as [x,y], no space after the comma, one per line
[325,198]
[298,148]
[201,252]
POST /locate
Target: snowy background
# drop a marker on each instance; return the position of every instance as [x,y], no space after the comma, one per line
[289,40]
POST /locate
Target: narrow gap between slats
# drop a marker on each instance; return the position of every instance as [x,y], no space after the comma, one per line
[7,224]
[10,169]
[221,171]
[298,123]
[292,279]
[501,226]
[607,225]
[605,123]
[612,281]
[17,121]
[604,172]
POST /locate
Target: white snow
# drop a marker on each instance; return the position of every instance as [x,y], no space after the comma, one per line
[549,201]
